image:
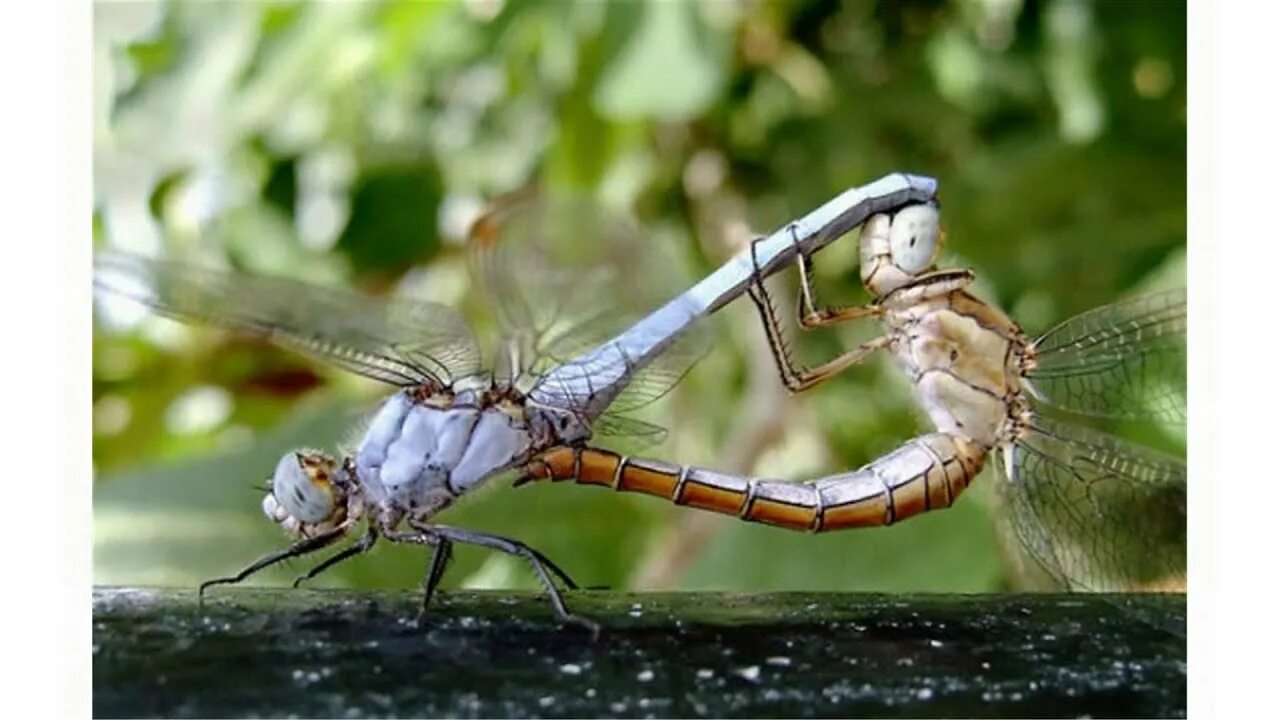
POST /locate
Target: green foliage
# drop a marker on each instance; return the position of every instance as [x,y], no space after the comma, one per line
[347,141]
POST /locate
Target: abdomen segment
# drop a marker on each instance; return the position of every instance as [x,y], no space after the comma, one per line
[926,473]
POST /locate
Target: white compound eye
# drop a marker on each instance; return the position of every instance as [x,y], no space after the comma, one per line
[913,238]
[303,486]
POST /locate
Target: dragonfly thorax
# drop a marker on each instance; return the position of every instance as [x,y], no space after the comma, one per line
[962,357]
[417,454]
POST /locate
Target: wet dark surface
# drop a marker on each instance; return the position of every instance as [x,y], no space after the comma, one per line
[274,653]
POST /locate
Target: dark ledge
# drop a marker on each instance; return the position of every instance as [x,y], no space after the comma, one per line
[272,653]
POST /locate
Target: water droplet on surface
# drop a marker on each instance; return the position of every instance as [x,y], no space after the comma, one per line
[547,701]
[644,675]
[751,673]
[705,673]
[924,693]
[571,669]
[935,643]
[778,660]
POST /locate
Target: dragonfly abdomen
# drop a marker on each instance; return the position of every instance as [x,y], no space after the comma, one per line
[925,474]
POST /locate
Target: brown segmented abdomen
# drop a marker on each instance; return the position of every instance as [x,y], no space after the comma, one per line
[927,473]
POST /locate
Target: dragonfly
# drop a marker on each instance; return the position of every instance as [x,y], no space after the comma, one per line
[1097,512]
[452,423]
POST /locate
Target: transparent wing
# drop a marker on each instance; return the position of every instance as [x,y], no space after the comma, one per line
[647,384]
[1127,360]
[1098,513]
[397,341]
[641,433]
[563,275]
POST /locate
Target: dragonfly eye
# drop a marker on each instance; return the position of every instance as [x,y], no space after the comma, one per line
[304,488]
[913,238]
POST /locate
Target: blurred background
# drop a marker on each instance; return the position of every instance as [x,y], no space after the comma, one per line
[353,143]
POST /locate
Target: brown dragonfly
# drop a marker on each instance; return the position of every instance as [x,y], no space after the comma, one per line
[1097,512]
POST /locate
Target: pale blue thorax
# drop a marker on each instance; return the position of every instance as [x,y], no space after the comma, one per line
[419,455]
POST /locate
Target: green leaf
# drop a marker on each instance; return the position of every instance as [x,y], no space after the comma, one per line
[393,222]
[670,65]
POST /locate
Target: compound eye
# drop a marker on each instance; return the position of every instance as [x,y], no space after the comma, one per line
[303,486]
[913,238]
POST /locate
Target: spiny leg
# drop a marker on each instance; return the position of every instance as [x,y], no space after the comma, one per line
[808,315]
[540,563]
[360,546]
[439,561]
[301,547]
[441,555]
[546,561]
[796,377]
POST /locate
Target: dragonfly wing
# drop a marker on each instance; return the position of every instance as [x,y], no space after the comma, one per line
[398,341]
[1097,512]
[1127,360]
[639,432]
[647,384]
[563,275]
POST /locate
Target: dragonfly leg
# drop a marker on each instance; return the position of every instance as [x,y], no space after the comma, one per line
[440,557]
[811,317]
[808,314]
[796,377]
[435,571]
[302,547]
[540,563]
[362,545]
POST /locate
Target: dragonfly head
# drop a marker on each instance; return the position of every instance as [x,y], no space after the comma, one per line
[899,248]
[307,493]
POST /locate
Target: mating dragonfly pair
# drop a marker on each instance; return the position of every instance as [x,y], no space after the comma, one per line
[1096,511]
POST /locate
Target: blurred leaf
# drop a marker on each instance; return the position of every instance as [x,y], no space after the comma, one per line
[281,188]
[669,65]
[393,217]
